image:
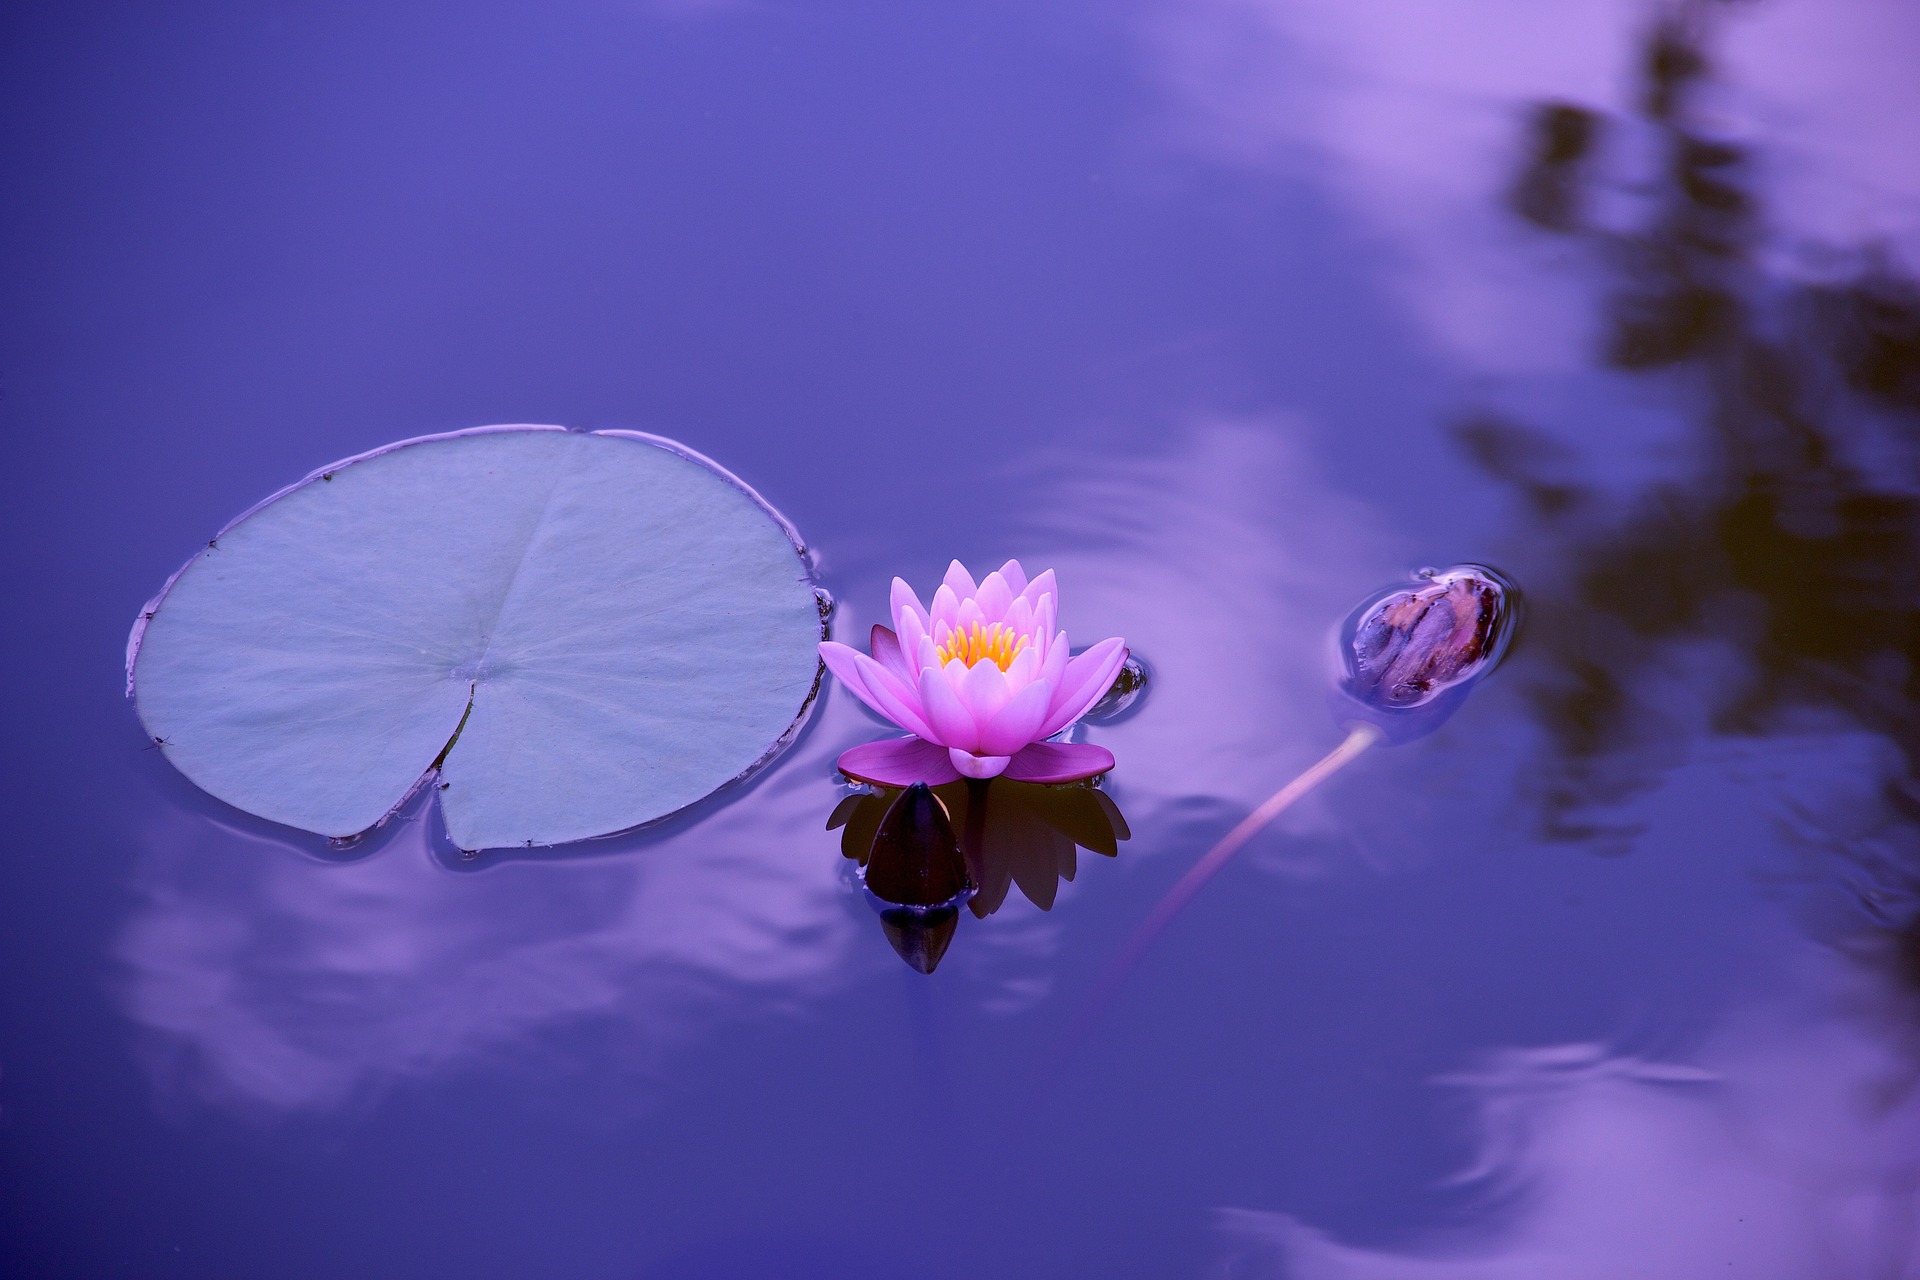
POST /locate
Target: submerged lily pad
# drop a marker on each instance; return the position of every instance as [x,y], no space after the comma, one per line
[582,631]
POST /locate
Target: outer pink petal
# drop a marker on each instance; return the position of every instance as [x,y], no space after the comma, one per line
[887,652]
[984,691]
[1016,576]
[911,630]
[874,685]
[1058,762]
[1019,616]
[1088,677]
[906,601]
[1017,723]
[1053,663]
[1046,615]
[977,766]
[898,698]
[960,581]
[946,608]
[1044,585]
[947,718]
[994,598]
[1021,672]
[844,662]
[928,656]
[898,762]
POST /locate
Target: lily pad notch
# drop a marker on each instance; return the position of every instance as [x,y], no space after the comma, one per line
[574,633]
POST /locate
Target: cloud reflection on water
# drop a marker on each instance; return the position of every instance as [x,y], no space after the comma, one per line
[270,981]
[1228,563]
[1793,1153]
[1407,115]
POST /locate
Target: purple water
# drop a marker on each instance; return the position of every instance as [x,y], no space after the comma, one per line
[1233,313]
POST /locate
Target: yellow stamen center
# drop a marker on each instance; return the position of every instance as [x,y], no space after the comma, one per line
[999,644]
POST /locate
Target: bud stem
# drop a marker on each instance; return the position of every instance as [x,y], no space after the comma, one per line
[1358,739]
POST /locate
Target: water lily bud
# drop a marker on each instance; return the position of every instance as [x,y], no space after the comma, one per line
[1411,654]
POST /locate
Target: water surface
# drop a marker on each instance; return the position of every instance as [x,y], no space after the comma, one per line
[1231,312]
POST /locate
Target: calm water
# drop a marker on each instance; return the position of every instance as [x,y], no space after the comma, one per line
[1232,312]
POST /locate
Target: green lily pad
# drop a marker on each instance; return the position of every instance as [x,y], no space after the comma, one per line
[573,633]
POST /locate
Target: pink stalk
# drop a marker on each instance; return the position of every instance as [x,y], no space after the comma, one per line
[1358,739]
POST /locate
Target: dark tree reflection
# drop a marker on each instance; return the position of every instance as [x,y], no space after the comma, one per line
[1792,549]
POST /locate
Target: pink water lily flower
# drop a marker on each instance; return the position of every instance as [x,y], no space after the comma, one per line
[981,680]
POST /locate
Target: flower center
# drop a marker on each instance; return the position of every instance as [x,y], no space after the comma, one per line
[999,644]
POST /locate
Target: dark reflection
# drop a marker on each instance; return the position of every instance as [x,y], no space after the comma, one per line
[1551,186]
[923,852]
[1786,563]
[915,858]
[914,867]
[1123,698]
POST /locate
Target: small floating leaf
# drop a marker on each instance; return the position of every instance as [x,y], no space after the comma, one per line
[583,631]
[1413,645]
[1412,653]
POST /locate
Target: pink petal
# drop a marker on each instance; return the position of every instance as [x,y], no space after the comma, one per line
[927,657]
[965,762]
[984,691]
[1019,616]
[844,662]
[896,698]
[906,601]
[874,685]
[947,718]
[1053,663]
[911,628]
[946,608]
[1088,677]
[898,762]
[1053,762]
[1021,672]
[960,580]
[886,651]
[969,615]
[1015,725]
[1040,587]
[1016,576]
[994,598]
[1046,614]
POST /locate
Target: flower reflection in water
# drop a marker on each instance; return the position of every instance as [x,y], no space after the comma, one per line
[927,851]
